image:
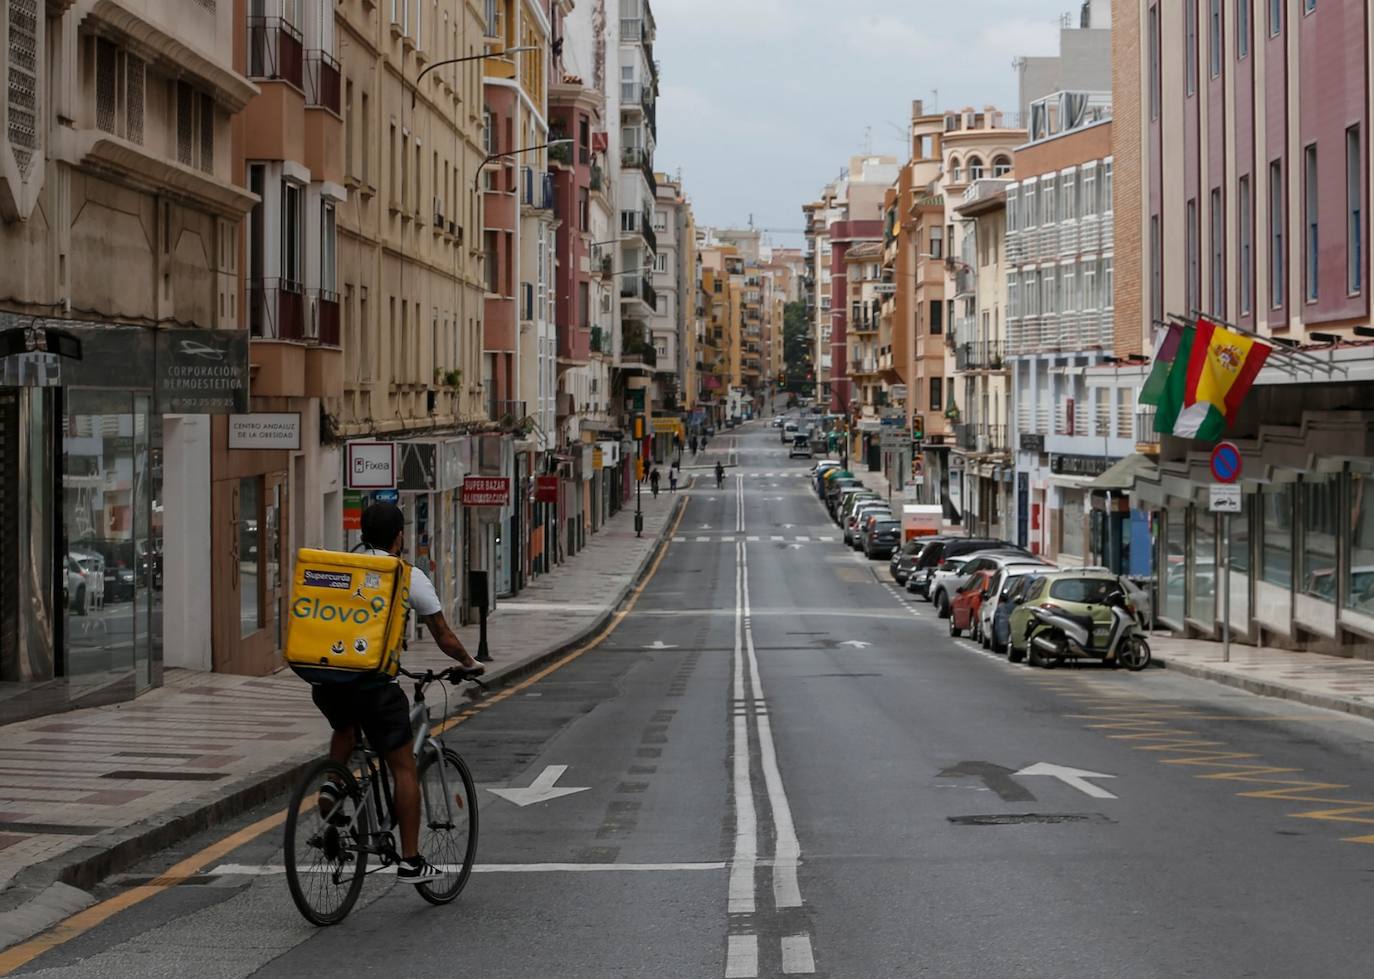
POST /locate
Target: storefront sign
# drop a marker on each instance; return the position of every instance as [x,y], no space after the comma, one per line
[895,438]
[387,496]
[486,491]
[201,372]
[371,465]
[546,489]
[266,430]
[352,510]
[1067,465]
[1032,442]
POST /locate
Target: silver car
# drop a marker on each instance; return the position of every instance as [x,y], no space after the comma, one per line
[943,584]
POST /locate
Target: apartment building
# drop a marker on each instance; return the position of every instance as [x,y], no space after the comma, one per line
[1059,243]
[864,281]
[818,215]
[982,436]
[1253,181]
[637,189]
[673,297]
[118,211]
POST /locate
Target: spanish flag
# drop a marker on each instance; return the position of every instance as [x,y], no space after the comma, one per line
[1220,368]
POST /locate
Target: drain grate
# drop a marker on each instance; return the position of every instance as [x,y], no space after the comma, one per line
[133,775]
[49,829]
[1021,818]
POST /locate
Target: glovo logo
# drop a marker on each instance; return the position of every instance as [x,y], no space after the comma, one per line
[314,608]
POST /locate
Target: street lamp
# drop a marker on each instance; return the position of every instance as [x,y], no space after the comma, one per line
[459,61]
[524,149]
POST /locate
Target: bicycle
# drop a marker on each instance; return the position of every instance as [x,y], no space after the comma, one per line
[327,848]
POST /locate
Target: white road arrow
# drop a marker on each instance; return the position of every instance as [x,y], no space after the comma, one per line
[796,547]
[788,526]
[705,526]
[541,789]
[857,644]
[1075,777]
[659,644]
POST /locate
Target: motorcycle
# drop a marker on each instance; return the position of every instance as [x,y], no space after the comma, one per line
[1109,632]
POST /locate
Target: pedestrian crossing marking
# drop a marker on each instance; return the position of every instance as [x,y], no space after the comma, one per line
[735,539]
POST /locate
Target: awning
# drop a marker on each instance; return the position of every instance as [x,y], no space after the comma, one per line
[1121,475]
[668,426]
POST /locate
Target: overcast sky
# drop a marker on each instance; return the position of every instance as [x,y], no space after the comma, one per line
[763,101]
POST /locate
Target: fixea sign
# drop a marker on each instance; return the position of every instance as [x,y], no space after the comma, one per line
[371,465]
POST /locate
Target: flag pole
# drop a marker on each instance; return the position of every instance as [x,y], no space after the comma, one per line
[1276,346]
[1290,369]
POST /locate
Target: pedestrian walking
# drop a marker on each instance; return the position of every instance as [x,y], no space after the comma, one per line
[672,480]
[653,481]
[693,445]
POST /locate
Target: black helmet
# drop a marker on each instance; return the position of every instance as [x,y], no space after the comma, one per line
[381,524]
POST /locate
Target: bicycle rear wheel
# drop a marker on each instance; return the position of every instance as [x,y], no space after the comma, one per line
[326,859]
[448,828]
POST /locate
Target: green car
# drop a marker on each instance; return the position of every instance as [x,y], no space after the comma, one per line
[1062,588]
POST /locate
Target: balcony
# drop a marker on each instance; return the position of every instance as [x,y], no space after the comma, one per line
[982,437]
[506,412]
[536,188]
[563,152]
[322,86]
[275,50]
[633,157]
[276,309]
[598,340]
[324,317]
[642,290]
[980,355]
[598,179]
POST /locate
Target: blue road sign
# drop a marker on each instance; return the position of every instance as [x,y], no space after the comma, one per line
[1226,462]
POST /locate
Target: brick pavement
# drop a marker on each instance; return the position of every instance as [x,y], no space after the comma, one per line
[81,783]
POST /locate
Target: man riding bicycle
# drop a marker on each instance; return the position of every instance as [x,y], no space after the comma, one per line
[377,704]
[720,475]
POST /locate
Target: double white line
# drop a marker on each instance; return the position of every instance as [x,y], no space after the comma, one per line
[742,949]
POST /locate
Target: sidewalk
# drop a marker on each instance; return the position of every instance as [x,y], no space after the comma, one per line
[88,793]
[1333,682]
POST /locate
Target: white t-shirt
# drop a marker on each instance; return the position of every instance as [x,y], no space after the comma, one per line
[424,600]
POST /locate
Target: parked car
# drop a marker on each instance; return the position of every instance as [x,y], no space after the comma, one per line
[853,509]
[848,499]
[1008,599]
[777,421]
[968,600]
[943,587]
[1078,591]
[1003,582]
[864,520]
[904,558]
[833,487]
[944,547]
[881,538]
[801,448]
[85,581]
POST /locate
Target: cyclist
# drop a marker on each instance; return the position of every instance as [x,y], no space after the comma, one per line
[720,475]
[377,704]
[654,478]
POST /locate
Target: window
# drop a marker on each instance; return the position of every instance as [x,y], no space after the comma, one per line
[493,18]
[251,542]
[489,263]
[1354,213]
[1245,241]
[1068,196]
[955,170]
[937,317]
[1214,38]
[328,248]
[1276,557]
[937,242]
[348,129]
[1217,232]
[119,78]
[1359,503]
[1047,201]
[1320,525]
[1277,270]
[1309,221]
[1243,28]
[627,84]
[1108,283]
[1154,62]
[1090,285]
[1194,272]
[1001,166]
[1202,569]
[1156,270]
[937,401]
[1068,285]
[661,263]
[1048,292]
[1190,45]
[1107,187]
[660,220]
[1275,16]
[975,168]
[1308,6]
[1029,215]
[364,142]
[292,235]
[195,128]
[1088,198]
[583,209]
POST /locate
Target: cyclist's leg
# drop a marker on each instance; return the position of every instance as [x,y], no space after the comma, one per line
[405,783]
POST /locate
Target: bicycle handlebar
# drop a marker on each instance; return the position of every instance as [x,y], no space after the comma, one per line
[454,674]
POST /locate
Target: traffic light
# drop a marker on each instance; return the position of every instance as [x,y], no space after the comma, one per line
[638,427]
[639,470]
[918,428]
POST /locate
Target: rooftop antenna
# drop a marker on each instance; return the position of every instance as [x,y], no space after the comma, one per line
[868,140]
[934,100]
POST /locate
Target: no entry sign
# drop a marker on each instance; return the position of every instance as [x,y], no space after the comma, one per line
[1226,462]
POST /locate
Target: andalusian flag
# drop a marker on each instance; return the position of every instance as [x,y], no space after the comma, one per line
[1171,399]
[1207,383]
[1166,349]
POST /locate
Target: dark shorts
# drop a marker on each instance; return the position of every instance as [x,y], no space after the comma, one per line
[380,709]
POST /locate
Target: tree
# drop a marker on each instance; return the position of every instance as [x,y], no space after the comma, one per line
[796,345]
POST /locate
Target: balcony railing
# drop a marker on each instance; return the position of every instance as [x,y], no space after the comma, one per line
[275,50]
[324,315]
[598,177]
[981,437]
[536,188]
[980,355]
[598,340]
[507,411]
[276,309]
[322,81]
[635,157]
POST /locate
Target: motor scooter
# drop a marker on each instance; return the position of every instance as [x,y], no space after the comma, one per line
[1110,632]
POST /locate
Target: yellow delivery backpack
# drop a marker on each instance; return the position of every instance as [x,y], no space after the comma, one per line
[347,615]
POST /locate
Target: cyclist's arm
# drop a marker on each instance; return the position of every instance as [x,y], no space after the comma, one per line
[451,645]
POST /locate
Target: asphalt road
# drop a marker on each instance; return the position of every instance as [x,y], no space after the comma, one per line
[786,768]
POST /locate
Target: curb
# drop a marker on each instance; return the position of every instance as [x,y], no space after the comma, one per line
[120,849]
[1264,688]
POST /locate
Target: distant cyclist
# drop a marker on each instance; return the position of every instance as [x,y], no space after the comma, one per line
[720,475]
[377,704]
[654,478]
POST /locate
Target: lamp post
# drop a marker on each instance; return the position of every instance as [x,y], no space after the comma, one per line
[524,149]
[458,61]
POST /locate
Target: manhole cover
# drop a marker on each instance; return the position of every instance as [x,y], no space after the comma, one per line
[1018,818]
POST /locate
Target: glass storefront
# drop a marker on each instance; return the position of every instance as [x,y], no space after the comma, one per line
[1174,570]
[1202,569]
[1276,549]
[1320,524]
[1359,495]
[1236,529]
[112,550]
[1071,522]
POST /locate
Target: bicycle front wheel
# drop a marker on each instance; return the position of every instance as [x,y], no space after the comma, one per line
[326,856]
[448,831]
